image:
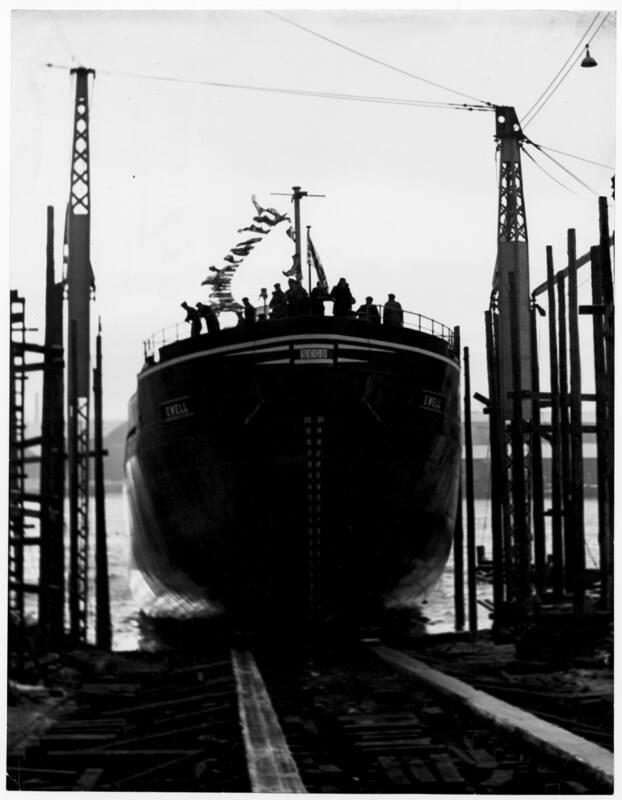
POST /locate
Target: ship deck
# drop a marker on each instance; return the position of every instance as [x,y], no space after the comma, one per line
[421,332]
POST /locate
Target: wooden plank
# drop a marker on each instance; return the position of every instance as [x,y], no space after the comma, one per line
[160,705]
[77,740]
[88,780]
[584,259]
[42,772]
[205,666]
[270,763]
[448,773]
[420,772]
[169,734]
[190,755]
[551,739]
[393,770]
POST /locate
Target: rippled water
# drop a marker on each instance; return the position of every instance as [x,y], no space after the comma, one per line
[437,606]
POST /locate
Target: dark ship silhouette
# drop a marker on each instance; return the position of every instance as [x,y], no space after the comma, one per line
[295,471]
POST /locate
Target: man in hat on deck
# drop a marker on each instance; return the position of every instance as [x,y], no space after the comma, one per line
[369,311]
[278,303]
[392,313]
[194,318]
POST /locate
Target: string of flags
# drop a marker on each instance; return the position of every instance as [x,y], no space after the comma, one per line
[219,279]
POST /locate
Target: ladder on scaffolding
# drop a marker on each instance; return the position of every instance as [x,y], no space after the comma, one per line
[21,502]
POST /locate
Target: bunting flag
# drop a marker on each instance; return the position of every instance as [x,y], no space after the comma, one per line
[264,220]
[220,280]
[277,215]
[253,229]
[295,270]
[217,282]
[314,261]
[241,251]
[260,210]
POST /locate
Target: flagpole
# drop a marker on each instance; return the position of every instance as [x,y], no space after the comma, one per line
[298,194]
[308,259]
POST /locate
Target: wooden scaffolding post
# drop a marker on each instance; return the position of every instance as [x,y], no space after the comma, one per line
[576,429]
[556,454]
[605,528]
[470,500]
[103,629]
[564,431]
[522,541]
[52,479]
[537,479]
[496,467]
[459,616]
[609,330]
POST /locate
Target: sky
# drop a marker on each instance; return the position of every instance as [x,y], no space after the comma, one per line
[410,203]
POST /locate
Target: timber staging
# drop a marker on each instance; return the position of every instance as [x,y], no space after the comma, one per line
[454,713]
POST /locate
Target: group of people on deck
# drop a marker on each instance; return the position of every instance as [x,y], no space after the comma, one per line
[296,302]
[195,315]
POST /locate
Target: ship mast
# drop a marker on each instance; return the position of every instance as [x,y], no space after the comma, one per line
[296,196]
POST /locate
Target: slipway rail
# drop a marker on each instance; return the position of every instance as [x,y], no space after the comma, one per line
[271,767]
[365,719]
[551,739]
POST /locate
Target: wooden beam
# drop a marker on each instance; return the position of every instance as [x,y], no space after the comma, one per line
[547,738]
[584,259]
[576,433]
[271,766]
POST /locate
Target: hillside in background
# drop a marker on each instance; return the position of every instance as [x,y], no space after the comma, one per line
[114,443]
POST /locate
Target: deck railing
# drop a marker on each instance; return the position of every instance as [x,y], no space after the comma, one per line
[181,330]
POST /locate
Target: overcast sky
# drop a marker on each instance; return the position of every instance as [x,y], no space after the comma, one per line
[411,192]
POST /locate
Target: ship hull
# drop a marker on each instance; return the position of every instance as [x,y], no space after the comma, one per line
[306,471]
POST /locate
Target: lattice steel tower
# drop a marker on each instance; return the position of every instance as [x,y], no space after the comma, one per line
[80,284]
[511,364]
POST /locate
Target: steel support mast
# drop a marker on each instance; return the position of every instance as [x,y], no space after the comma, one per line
[80,283]
[512,365]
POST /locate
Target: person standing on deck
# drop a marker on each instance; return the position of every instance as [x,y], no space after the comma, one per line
[343,300]
[317,297]
[302,299]
[297,299]
[194,318]
[278,303]
[250,312]
[392,313]
[209,315]
[369,311]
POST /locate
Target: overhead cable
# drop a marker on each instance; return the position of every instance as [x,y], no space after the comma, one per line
[546,172]
[561,166]
[61,35]
[579,158]
[377,61]
[300,92]
[571,56]
[563,78]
